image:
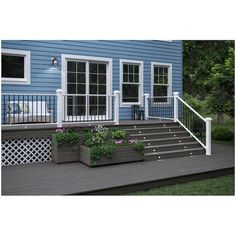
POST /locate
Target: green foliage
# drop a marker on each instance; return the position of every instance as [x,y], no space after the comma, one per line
[107,150]
[195,102]
[67,138]
[138,146]
[208,72]
[118,134]
[222,133]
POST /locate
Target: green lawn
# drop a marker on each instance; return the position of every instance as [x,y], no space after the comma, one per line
[223,185]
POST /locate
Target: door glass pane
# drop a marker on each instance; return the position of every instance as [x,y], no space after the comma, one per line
[81,66]
[71,66]
[93,68]
[71,77]
[102,68]
[80,78]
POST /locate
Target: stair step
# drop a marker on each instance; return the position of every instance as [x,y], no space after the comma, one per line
[160,135]
[154,129]
[173,146]
[151,142]
[154,125]
[174,153]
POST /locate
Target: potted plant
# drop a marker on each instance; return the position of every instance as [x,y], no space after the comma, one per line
[65,145]
[103,146]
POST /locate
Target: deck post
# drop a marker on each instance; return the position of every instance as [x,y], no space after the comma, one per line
[176,94]
[146,97]
[117,107]
[59,107]
[208,136]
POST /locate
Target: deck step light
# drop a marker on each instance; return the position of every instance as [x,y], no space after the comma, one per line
[154,150]
[185,147]
[139,132]
[144,137]
[190,153]
[134,126]
[149,144]
[159,157]
[174,135]
[180,141]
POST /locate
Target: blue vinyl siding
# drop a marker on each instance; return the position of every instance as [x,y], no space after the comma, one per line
[46,78]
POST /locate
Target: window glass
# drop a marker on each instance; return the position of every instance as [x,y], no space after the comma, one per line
[12,66]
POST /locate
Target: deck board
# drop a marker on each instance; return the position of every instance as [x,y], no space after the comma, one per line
[77,178]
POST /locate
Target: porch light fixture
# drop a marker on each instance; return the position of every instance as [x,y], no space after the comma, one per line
[53,60]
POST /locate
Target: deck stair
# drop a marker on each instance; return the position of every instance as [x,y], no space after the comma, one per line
[164,140]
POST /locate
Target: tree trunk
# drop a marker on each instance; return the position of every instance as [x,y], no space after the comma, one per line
[220,118]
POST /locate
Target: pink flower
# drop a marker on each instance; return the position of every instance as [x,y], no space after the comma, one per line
[132,141]
[118,142]
[59,130]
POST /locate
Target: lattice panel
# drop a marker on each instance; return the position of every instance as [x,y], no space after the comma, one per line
[24,151]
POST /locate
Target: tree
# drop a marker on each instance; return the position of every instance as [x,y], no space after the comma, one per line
[198,59]
[221,98]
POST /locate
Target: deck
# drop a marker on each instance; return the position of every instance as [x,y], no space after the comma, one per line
[77,178]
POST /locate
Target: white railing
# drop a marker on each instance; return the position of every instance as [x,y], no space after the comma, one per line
[176,109]
[58,109]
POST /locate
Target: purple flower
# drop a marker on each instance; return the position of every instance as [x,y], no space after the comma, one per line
[131,141]
[118,142]
[59,130]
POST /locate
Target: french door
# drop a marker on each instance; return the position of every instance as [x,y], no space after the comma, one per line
[87,88]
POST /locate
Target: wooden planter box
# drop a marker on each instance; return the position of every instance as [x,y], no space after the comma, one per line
[64,154]
[122,154]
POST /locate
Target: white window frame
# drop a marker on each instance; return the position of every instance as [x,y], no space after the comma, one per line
[87,59]
[169,91]
[140,100]
[26,79]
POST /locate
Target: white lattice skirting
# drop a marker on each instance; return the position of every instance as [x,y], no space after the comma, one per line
[24,151]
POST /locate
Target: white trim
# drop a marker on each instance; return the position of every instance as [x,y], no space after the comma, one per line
[26,79]
[169,65]
[140,102]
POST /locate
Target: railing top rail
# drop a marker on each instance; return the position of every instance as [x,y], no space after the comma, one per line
[161,97]
[90,95]
[28,94]
[191,109]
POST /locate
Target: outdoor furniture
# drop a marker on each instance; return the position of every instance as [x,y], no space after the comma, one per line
[29,112]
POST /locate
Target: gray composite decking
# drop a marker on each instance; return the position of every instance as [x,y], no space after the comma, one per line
[77,178]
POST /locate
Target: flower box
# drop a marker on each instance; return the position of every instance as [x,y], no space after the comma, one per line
[122,154]
[65,153]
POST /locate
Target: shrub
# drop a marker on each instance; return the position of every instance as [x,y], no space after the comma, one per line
[118,134]
[106,150]
[222,133]
[66,137]
[138,146]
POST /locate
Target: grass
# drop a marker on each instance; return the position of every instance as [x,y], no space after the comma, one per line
[223,185]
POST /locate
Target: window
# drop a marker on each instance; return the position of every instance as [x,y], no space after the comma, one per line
[15,66]
[161,81]
[131,73]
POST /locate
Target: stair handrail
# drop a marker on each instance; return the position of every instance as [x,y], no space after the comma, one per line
[191,108]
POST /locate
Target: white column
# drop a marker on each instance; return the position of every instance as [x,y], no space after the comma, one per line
[208,136]
[146,97]
[176,94]
[117,107]
[59,107]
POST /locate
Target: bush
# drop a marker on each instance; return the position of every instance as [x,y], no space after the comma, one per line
[222,133]
[118,134]
[66,137]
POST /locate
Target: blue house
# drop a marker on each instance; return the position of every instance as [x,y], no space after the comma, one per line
[99,67]
[61,83]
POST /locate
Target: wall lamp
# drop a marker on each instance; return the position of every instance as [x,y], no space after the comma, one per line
[53,60]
